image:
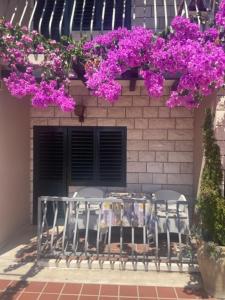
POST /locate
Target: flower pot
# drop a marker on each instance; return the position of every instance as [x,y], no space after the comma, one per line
[212,269]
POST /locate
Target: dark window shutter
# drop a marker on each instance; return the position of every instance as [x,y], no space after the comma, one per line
[112,156]
[82,149]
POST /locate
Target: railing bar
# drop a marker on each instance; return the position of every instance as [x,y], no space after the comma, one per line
[197,13]
[23,13]
[72,16]
[144,230]
[39,233]
[87,229]
[61,18]
[65,226]
[76,229]
[156,234]
[121,229]
[13,15]
[82,17]
[167,231]
[55,209]
[92,19]
[114,14]
[32,15]
[132,231]
[134,11]
[124,13]
[42,16]
[98,228]
[166,14]
[110,231]
[51,18]
[179,232]
[186,8]
[175,7]
[155,15]
[103,15]
[145,4]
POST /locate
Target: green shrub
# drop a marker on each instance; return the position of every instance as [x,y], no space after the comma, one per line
[211,203]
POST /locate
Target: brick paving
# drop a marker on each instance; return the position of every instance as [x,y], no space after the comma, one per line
[23,290]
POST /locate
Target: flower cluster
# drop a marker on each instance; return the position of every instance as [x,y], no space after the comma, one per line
[46,81]
[196,58]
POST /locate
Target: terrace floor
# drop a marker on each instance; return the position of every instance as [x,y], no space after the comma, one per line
[21,278]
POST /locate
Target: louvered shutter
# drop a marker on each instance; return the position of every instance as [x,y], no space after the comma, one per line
[82,154]
[112,156]
[50,162]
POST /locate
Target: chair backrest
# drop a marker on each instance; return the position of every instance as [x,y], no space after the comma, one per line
[169,196]
[89,192]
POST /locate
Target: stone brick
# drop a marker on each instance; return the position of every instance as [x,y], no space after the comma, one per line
[145,177]
[116,112]
[150,112]
[124,101]
[161,156]
[161,123]
[161,146]
[155,167]
[132,155]
[70,122]
[144,92]
[180,134]
[89,101]
[184,146]
[156,101]
[59,113]
[42,113]
[132,187]
[53,121]
[185,123]
[141,123]
[160,178]
[39,122]
[181,112]
[180,157]
[181,179]
[90,122]
[134,134]
[140,100]
[185,189]
[79,90]
[220,133]
[155,134]
[96,112]
[151,188]
[129,123]
[133,112]
[146,156]
[222,147]
[186,168]
[103,103]
[137,145]
[126,91]
[132,178]
[172,168]
[164,112]
[136,167]
[106,122]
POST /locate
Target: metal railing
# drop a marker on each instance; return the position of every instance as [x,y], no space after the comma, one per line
[65,13]
[113,229]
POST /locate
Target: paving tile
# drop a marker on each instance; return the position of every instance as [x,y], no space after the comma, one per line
[109,290]
[147,291]
[166,292]
[90,289]
[53,287]
[4,284]
[10,296]
[72,288]
[128,298]
[49,297]
[108,298]
[128,291]
[34,287]
[186,293]
[86,297]
[29,296]
[16,286]
[68,297]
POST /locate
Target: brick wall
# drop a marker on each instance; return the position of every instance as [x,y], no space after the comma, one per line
[159,140]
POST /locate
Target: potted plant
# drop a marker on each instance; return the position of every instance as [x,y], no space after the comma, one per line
[211,209]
